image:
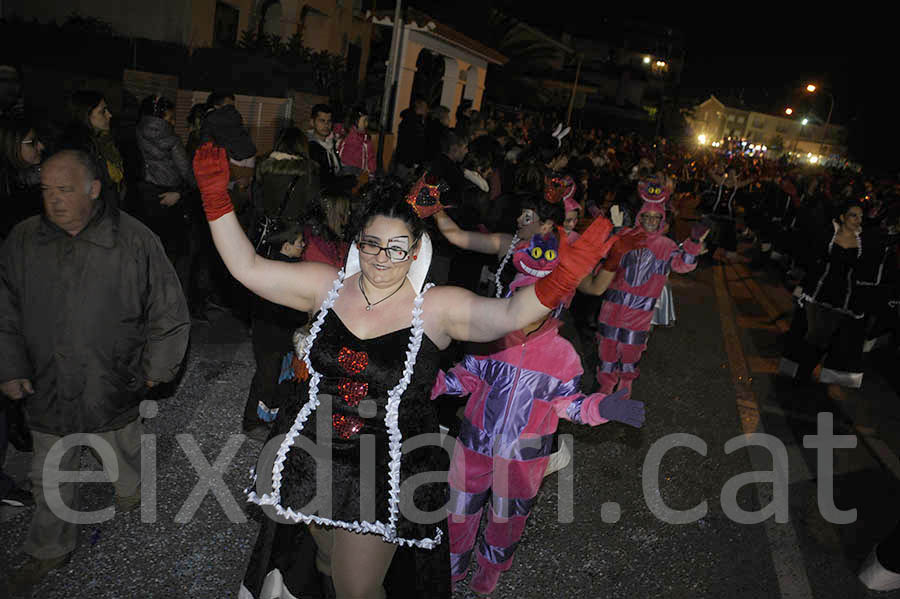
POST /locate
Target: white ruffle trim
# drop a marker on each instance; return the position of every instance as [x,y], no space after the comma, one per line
[387,531]
[509,252]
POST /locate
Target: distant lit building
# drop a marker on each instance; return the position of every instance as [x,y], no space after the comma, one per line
[715,122]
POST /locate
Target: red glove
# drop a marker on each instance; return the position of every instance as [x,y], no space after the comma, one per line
[575,262]
[212,173]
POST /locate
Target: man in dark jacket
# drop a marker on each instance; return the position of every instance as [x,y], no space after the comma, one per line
[411,138]
[91,315]
[323,150]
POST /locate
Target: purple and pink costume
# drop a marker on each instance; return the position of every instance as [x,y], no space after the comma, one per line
[642,262]
[517,390]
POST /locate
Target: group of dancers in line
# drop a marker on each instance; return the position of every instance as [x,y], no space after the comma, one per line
[369,366]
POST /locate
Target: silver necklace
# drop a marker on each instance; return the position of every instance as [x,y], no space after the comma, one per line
[369,304]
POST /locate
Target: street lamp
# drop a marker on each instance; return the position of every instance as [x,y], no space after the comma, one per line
[789,111]
[800,132]
[812,89]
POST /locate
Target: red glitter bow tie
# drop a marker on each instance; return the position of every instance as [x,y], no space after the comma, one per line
[352,361]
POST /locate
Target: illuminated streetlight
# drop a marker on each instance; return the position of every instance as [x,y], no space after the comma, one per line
[788,111]
[701,139]
[804,121]
[646,60]
[811,89]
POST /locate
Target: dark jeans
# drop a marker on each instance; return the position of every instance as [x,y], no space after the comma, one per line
[171,224]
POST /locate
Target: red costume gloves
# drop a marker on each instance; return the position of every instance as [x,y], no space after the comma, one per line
[599,408]
[212,173]
[575,262]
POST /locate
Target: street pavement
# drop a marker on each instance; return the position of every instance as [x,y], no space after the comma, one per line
[597,529]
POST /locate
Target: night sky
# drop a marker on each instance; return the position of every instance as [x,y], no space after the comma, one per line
[767,56]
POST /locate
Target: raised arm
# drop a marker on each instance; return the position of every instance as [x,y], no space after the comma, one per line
[485,243]
[469,317]
[297,285]
[598,283]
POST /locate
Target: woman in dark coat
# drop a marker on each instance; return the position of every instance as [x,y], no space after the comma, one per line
[167,180]
[20,158]
[90,131]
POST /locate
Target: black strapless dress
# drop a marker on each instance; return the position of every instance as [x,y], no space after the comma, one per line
[367,485]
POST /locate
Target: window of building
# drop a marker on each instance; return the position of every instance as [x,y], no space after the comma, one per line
[757,123]
[730,118]
[272,18]
[225,25]
[740,119]
[781,128]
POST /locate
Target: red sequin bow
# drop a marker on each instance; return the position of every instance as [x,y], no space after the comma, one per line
[558,189]
[352,361]
[425,195]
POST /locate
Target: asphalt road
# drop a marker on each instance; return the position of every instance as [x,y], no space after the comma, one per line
[597,529]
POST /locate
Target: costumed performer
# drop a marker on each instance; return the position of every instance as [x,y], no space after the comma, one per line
[372,358]
[632,278]
[519,387]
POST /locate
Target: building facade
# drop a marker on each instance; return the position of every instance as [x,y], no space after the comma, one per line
[715,121]
[336,26]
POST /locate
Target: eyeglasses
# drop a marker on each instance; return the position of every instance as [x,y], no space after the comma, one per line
[394,254]
[30,141]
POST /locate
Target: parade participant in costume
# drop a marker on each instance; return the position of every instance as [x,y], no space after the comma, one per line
[635,272]
[536,216]
[563,189]
[372,357]
[519,387]
[832,312]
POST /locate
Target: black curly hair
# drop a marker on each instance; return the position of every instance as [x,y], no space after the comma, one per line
[386,196]
[544,209]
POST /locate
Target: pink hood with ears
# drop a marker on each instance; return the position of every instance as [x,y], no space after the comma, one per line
[655,193]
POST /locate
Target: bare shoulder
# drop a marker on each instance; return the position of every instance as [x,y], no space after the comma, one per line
[441,303]
[443,297]
[319,278]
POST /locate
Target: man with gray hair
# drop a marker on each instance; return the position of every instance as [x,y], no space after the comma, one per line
[91,316]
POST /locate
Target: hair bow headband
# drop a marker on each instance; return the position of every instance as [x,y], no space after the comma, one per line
[558,189]
[425,195]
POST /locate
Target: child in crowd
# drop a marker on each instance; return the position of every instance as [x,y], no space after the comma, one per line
[273,327]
